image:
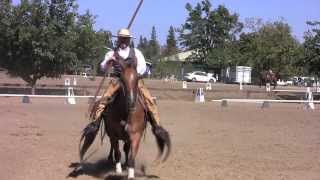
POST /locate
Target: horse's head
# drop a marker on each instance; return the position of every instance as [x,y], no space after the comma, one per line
[129,78]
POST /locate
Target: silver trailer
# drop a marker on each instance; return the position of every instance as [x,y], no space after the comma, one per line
[237,74]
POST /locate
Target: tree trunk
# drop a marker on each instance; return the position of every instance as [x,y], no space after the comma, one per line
[33,89]
[33,85]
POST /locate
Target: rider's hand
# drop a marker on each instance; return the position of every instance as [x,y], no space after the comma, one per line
[113,58]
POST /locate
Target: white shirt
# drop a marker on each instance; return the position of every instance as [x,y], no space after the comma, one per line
[124,53]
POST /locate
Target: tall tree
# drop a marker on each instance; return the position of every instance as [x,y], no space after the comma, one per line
[143,45]
[208,30]
[272,46]
[90,46]
[154,47]
[312,48]
[171,47]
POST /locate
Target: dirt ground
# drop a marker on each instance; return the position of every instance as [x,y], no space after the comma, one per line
[40,140]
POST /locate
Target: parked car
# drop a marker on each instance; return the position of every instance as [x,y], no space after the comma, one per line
[284,82]
[199,76]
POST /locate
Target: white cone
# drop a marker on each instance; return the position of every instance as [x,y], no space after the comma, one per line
[208,86]
[184,84]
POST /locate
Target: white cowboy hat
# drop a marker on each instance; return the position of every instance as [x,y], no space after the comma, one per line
[124,32]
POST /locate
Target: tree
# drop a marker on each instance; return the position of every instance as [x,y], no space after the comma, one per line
[154,47]
[207,31]
[270,46]
[312,49]
[171,47]
[143,46]
[39,39]
[90,46]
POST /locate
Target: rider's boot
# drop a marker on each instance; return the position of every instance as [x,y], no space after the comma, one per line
[151,105]
[113,86]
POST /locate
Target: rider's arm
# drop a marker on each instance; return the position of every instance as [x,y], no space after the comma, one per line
[141,62]
[104,65]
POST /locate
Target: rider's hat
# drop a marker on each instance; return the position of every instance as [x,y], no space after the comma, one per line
[124,32]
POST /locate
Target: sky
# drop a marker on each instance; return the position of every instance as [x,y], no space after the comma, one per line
[115,14]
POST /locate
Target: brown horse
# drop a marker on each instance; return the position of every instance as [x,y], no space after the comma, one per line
[126,120]
[268,77]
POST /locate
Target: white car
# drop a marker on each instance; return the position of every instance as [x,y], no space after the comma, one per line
[199,76]
[284,83]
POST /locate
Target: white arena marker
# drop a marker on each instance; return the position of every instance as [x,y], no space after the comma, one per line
[241,85]
[70,93]
[309,96]
[67,82]
[208,86]
[268,87]
[74,81]
[184,84]
[199,98]
[70,96]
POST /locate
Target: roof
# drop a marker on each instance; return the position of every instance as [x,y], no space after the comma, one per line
[182,57]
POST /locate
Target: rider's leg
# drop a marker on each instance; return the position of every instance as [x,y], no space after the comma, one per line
[113,86]
[151,105]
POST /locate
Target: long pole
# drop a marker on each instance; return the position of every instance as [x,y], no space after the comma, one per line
[134,14]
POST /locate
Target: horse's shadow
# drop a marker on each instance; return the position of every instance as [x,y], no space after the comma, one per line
[103,169]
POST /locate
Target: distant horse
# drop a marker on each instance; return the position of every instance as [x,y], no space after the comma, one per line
[126,119]
[268,77]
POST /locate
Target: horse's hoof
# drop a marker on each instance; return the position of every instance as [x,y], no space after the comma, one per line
[130,173]
[118,168]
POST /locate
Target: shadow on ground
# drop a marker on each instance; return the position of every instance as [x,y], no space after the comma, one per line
[104,169]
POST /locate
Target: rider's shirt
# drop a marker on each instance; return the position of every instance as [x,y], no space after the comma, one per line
[124,53]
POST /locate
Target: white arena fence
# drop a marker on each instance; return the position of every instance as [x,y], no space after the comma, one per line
[263,100]
[44,96]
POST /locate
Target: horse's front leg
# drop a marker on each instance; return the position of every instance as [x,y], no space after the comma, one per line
[110,156]
[126,149]
[135,142]
[117,154]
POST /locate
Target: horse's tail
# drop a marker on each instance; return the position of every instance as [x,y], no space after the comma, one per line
[89,133]
[163,140]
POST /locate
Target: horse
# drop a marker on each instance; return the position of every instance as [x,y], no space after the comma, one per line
[268,77]
[126,120]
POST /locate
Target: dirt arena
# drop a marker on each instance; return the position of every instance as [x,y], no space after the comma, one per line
[242,141]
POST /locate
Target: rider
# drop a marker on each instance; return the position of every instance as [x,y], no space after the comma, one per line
[126,52]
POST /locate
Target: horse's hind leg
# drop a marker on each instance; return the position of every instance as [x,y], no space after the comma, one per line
[117,155]
[135,142]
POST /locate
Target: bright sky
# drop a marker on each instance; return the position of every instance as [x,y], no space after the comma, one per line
[114,14]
